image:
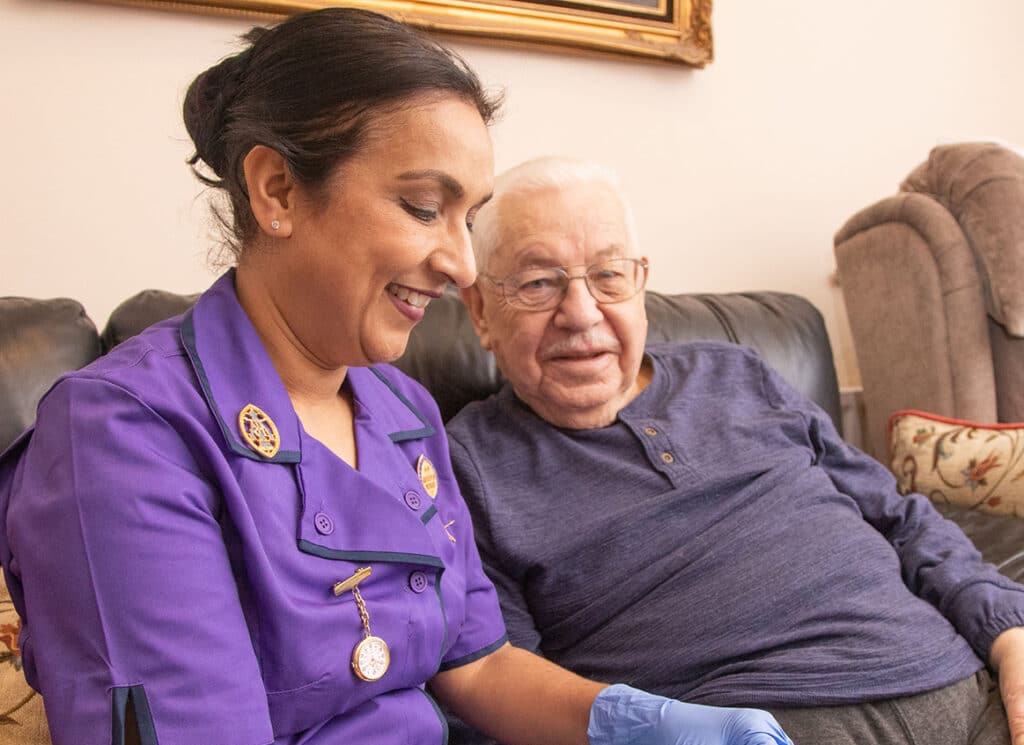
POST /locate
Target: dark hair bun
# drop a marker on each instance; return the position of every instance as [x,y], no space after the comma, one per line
[206,108]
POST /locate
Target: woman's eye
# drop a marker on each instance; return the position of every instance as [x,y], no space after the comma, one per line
[420,213]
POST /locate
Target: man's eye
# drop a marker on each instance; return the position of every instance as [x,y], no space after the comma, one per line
[540,283]
[420,213]
[533,281]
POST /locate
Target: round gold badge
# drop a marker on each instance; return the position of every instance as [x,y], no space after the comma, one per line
[259,431]
[371,659]
[428,476]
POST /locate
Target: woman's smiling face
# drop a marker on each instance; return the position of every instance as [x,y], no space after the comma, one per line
[386,234]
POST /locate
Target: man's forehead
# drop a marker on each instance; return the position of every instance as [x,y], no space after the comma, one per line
[548,254]
[542,225]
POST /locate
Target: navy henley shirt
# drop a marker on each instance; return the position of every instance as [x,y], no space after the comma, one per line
[721,544]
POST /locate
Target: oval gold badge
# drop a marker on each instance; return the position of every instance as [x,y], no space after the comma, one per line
[428,476]
[259,431]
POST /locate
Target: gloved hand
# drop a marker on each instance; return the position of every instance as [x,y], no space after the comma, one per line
[622,715]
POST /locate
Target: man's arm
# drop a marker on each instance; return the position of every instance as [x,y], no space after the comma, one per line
[938,562]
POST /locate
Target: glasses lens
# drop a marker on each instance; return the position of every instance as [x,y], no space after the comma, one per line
[535,288]
[616,280]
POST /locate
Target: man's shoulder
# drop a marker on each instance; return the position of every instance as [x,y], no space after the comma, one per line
[478,421]
[692,354]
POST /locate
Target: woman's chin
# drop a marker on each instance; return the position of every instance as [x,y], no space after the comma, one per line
[388,352]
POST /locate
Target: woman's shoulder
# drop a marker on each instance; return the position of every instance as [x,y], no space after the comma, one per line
[151,368]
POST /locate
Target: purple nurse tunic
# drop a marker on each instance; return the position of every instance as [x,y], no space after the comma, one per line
[157,558]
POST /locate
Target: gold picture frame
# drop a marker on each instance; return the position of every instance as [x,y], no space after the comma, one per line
[676,31]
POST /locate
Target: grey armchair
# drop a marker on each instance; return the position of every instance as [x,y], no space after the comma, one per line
[933,281]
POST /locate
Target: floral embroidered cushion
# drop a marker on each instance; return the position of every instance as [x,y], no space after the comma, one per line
[22,721]
[978,466]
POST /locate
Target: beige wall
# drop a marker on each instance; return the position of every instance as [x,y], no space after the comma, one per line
[741,172]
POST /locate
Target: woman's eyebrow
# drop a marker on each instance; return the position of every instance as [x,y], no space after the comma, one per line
[450,184]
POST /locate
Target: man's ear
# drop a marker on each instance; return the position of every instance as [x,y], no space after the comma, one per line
[271,191]
[473,299]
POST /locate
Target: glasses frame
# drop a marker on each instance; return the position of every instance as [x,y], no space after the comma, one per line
[511,299]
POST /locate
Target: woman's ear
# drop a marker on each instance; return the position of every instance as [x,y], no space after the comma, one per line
[271,191]
[474,302]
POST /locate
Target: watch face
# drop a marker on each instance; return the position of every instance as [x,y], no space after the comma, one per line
[371,658]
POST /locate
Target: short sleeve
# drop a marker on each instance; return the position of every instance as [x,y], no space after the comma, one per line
[482,630]
[115,540]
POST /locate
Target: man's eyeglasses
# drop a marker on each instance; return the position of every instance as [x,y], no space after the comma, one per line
[544,288]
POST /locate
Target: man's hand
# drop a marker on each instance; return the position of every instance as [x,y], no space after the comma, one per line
[1007,659]
[622,715]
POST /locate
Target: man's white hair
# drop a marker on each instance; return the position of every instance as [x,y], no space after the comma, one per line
[548,172]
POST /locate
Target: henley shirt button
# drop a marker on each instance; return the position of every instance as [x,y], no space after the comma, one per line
[323,523]
[413,500]
[417,581]
[667,457]
[650,431]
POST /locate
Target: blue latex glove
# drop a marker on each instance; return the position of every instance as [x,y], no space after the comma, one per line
[622,715]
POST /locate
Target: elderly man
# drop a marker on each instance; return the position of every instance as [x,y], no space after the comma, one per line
[680,519]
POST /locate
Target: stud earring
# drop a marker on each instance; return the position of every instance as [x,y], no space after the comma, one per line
[275,224]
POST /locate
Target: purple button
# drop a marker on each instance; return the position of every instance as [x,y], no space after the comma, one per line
[413,500]
[417,581]
[323,523]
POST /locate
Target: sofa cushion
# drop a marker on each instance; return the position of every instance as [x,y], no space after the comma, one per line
[955,462]
[140,311]
[22,719]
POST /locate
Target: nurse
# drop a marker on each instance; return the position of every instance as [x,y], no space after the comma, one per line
[241,526]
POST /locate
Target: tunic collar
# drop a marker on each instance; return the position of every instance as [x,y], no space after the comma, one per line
[235,371]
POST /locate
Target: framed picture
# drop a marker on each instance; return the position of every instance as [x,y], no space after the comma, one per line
[676,31]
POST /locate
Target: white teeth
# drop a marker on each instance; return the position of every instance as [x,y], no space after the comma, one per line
[416,299]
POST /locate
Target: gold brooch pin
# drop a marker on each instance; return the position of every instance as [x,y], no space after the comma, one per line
[259,431]
[371,658]
[428,475]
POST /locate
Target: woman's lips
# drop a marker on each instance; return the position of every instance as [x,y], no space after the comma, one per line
[410,303]
[409,295]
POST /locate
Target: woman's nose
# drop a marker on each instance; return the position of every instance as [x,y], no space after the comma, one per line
[455,258]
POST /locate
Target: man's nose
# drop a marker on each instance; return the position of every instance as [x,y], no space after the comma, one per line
[578,309]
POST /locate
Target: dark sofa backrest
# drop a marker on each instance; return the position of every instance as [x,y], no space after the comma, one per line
[40,339]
